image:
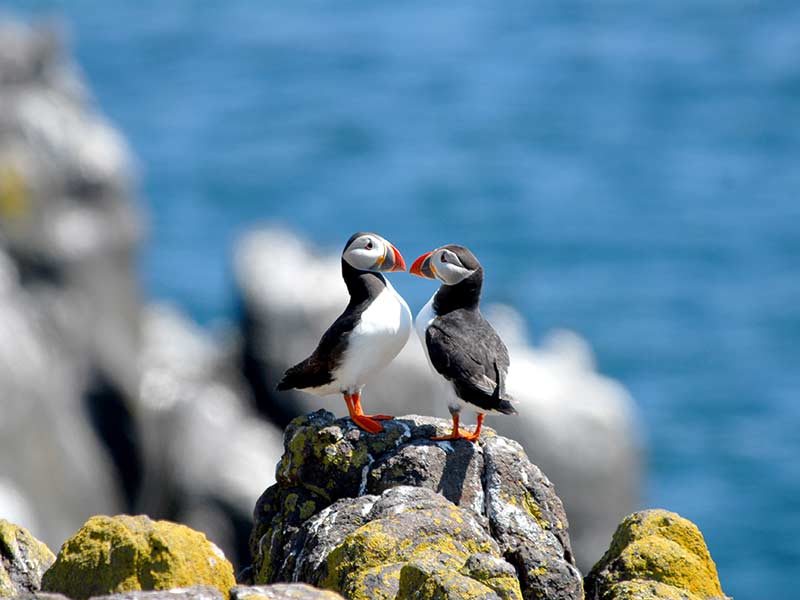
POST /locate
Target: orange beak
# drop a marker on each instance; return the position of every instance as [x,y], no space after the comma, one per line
[399,263]
[422,266]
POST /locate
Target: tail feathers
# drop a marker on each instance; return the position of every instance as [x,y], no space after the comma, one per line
[284,384]
[506,407]
[290,379]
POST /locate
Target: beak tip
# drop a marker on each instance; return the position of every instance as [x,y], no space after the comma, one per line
[399,263]
[416,268]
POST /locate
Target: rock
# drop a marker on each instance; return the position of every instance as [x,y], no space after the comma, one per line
[427,580]
[198,592]
[343,515]
[282,591]
[123,553]
[576,424]
[45,427]
[655,554]
[69,229]
[67,214]
[202,442]
[23,561]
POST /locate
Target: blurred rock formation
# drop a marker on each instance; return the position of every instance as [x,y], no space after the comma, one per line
[116,406]
[206,453]
[576,424]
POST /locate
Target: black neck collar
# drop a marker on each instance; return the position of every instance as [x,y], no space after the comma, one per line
[361,285]
[466,294]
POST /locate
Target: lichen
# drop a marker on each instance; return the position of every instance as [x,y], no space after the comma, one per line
[25,556]
[648,590]
[124,553]
[307,509]
[657,547]
[429,581]
[381,542]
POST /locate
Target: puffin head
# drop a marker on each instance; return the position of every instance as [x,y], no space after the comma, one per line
[370,252]
[450,264]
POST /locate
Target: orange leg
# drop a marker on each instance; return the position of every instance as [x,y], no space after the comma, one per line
[357,405]
[460,434]
[366,423]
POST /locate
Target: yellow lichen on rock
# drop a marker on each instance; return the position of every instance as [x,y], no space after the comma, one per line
[125,553]
[655,547]
[367,564]
[23,560]
[649,590]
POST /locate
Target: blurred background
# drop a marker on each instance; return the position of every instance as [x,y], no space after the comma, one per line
[177,180]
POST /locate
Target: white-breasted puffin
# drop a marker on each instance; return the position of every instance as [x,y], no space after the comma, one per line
[365,337]
[463,350]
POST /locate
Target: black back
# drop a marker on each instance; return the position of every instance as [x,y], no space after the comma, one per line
[318,369]
[465,349]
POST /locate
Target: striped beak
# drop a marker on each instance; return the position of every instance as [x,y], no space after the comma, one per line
[422,267]
[391,260]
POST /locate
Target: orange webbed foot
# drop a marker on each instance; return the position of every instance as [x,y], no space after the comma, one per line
[366,423]
[457,435]
[381,417]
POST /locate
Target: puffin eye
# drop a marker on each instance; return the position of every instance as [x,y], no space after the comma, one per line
[369,245]
[444,257]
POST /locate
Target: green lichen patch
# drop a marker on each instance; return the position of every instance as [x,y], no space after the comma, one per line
[648,590]
[125,553]
[494,573]
[430,581]
[433,536]
[23,560]
[320,457]
[375,583]
[659,547]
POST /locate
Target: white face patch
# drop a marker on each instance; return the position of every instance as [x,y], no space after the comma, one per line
[448,268]
[365,251]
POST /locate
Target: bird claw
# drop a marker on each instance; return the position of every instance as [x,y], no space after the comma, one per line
[366,423]
[380,417]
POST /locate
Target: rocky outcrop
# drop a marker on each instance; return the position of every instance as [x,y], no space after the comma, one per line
[655,554]
[577,425]
[395,515]
[282,591]
[123,553]
[201,439]
[23,561]
[68,293]
[125,407]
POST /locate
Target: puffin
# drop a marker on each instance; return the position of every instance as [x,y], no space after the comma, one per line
[366,337]
[465,353]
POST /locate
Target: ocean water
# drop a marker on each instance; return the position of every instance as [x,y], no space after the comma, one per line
[628,170]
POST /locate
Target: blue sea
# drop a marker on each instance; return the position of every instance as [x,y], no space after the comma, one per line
[629,170]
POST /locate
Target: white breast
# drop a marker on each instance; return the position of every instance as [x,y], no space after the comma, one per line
[379,336]
[421,323]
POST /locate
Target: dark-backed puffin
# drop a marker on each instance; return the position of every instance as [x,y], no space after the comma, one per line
[365,337]
[464,351]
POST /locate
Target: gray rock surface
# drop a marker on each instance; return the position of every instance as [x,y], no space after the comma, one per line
[206,453]
[576,424]
[199,592]
[68,295]
[45,427]
[343,514]
[282,591]
[125,409]
[23,560]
